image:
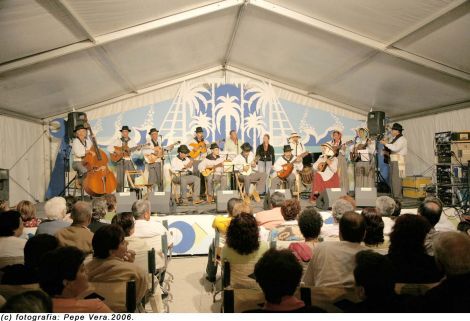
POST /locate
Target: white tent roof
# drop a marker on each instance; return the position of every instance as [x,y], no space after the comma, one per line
[400,56]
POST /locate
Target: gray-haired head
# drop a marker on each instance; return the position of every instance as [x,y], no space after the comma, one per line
[385,205]
[340,206]
[100,208]
[55,208]
[452,252]
[140,208]
[81,213]
[277,199]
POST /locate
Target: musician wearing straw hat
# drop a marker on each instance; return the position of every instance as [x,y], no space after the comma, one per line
[340,147]
[398,148]
[362,156]
[325,168]
[213,166]
[125,164]
[286,158]
[182,166]
[81,144]
[297,147]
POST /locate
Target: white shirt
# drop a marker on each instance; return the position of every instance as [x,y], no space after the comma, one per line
[151,232]
[79,149]
[177,164]
[12,246]
[206,162]
[119,143]
[193,141]
[232,149]
[297,148]
[282,161]
[400,146]
[239,161]
[332,264]
[330,169]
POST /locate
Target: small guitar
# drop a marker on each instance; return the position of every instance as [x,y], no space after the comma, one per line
[323,165]
[248,168]
[289,167]
[124,151]
[158,153]
[336,149]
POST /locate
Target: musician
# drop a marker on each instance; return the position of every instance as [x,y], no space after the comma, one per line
[265,152]
[297,147]
[286,158]
[398,148]
[340,148]
[233,145]
[362,155]
[326,175]
[215,162]
[155,169]
[243,162]
[198,138]
[125,164]
[81,144]
[182,165]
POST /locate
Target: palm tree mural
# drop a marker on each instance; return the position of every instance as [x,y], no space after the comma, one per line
[254,123]
[191,93]
[205,122]
[227,109]
[264,93]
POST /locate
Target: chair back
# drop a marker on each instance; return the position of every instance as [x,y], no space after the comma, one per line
[326,297]
[119,296]
[8,291]
[414,289]
[10,260]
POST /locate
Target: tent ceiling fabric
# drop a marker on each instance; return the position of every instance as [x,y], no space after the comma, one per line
[400,56]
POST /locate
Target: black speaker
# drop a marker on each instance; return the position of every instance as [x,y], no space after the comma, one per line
[365,196]
[222,199]
[376,123]
[124,201]
[161,203]
[4,184]
[326,198]
[74,119]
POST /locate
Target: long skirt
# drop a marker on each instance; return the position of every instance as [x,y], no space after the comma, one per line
[319,185]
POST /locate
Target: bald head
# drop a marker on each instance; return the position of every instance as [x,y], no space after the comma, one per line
[81,213]
[452,252]
[431,209]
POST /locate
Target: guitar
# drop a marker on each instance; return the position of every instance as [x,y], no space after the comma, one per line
[209,170]
[386,152]
[124,151]
[289,167]
[338,148]
[248,168]
[354,155]
[323,165]
[158,153]
[198,149]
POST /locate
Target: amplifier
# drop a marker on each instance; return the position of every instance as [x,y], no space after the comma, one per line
[442,137]
[460,136]
[222,199]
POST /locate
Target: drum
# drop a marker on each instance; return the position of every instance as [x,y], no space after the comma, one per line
[306,175]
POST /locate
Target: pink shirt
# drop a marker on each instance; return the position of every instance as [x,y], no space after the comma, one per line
[72,305]
[270,219]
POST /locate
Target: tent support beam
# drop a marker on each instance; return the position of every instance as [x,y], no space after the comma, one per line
[374,44]
[234,34]
[21,116]
[433,111]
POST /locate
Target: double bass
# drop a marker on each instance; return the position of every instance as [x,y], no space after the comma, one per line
[99,179]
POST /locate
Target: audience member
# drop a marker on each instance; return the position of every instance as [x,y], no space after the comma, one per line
[452,253]
[407,251]
[78,234]
[243,246]
[99,208]
[339,207]
[111,204]
[289,230]
[11,228]
[34,250]
[28,214]
[397,210]
[28,302]
[220,222]
[350,199]
[333,263]
[62,275]
[70,202]
[374,237]
[272,217]
[385,206]
[112,261]
[55,210]
[278,273]
[431,209]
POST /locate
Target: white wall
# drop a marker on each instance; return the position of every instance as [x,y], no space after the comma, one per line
[28,175]
[420,135]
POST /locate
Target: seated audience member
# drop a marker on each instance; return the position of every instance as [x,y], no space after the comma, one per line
[333,263]
[62,275]
[4,206]
[112,261]
[339,207]
[272,217]
[289,230]
[111,205]
[99,209]
[34,250]
[350,199]
[397,210]
[78,234]
[11,228]
[386,207]
[70,202]
[407,252]
[452,253]
[28,302]
[28,214]
[242,246]
[149,230]
[310,223]
[278,273]
[431,209]
[220,224]
[55,210]
[374,238]
[375,281]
